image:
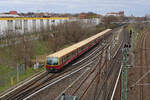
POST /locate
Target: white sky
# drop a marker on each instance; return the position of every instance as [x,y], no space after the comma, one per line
[135,7]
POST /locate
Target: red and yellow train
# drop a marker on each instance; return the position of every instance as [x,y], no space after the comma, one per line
[58,60]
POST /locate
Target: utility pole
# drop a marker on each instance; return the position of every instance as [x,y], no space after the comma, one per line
[124,73]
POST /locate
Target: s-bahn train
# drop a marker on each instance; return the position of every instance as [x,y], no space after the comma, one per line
[56,61]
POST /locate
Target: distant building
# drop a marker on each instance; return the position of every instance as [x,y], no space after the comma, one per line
[8,15]
[83,15]
[120,13]
[13,12]
[66,15]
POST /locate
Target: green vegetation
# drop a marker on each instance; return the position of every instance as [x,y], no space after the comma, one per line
[138,30]
[40,47]
[6,73]
[4,69]
[102,26]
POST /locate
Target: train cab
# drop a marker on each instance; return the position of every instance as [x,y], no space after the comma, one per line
[53,61]
[52,64]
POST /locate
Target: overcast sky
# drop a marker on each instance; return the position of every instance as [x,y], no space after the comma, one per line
[135,7]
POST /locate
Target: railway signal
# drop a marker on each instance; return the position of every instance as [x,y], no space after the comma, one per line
[130,33]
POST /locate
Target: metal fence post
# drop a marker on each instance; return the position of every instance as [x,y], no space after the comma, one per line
[17,72]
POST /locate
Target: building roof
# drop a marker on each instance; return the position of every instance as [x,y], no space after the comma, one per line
[13,12]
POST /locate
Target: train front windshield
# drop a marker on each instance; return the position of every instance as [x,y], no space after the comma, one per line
[52,61]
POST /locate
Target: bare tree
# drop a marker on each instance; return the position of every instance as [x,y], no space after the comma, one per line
[108,19]
[68,33]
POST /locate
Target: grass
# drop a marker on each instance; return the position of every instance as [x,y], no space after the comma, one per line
[137,37]
[7,73]
[4,69]
[29,72]
[140,33]
[40,47]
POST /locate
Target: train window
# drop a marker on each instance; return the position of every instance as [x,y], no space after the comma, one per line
[61,60]
[84,46]
[67,57]
[97,39]
[88,44]
[64,58]
[70,55]
[78,50]
[52,61]
[81,49]
[74,53]
[93,42]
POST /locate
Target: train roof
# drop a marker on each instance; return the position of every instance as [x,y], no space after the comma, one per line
[77,45]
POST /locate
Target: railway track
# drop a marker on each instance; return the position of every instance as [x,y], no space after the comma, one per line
[114,67]
[88,61]
[117,63]
[143,63]
[45,78]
